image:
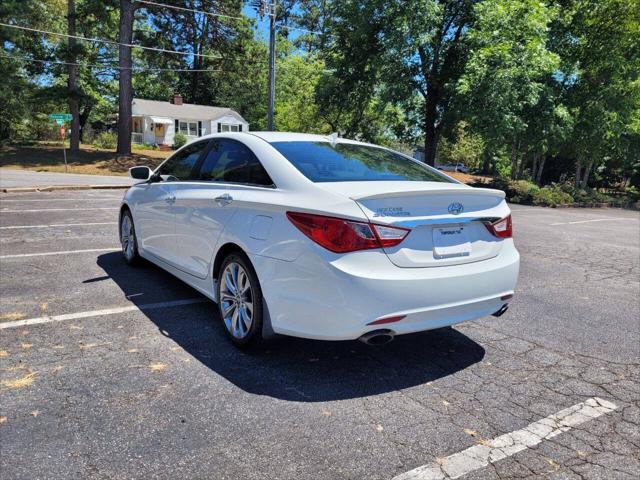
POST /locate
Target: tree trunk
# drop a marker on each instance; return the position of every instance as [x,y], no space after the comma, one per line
[578,173]
[514,160]
[486,163]
[125,95]
[521,166]
[74,146]
[585,178]
[538,178]
[534,166]
[84,116]
[430,145]
[431,123]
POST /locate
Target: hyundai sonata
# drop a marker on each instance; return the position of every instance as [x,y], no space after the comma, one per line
[321,237]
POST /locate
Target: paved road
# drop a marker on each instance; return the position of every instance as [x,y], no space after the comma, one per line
[115,391]
[26,178]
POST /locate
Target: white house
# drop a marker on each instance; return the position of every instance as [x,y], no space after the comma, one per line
[155,122]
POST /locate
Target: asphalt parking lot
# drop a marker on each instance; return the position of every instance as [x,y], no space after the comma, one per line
[109,372]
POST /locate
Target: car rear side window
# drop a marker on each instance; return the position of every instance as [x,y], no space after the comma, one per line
[347,162]
[179,166]
[230,161]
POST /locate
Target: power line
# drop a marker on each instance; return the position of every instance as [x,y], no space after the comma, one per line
[111,42]
[175,7]
[314,32]
[139,69]
[112,67]
[192,10]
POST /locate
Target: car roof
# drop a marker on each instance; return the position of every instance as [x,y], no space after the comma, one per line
[271,137]
[303,137]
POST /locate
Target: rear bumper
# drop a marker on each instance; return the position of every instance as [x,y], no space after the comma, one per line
[335,299]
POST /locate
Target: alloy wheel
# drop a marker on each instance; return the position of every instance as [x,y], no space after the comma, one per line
[127,237]
[236,300]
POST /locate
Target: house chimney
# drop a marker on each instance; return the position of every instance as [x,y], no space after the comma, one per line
[176,99]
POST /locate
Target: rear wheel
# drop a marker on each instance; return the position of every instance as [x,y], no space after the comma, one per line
[240,300]
[128,238]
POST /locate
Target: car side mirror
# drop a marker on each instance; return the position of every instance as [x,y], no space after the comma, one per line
[140,173]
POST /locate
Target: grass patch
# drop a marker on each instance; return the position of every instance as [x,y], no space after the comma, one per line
[48,157]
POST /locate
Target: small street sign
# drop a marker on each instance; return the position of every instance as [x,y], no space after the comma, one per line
[59,121]
[60,116]
[62,131]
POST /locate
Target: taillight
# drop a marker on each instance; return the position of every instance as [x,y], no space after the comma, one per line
[501,228]
[341,236]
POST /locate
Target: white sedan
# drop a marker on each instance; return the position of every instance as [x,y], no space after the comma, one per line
[321,237]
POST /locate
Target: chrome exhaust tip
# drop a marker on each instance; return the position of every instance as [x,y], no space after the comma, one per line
[502,310]
[377,337]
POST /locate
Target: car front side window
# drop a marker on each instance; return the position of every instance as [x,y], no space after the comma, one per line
[178,168]
[229,161]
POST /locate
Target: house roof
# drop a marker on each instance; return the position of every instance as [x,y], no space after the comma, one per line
[186,111]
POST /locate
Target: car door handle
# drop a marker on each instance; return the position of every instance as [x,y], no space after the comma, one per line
[223,200]
[170,200]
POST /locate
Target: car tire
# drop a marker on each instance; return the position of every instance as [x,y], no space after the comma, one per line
[240,301]
[128,239]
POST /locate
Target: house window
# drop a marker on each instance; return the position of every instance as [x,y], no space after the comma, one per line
[137,125]
[189,128]
[227,127]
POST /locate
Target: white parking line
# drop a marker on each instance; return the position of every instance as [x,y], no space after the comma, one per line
[491,451]
[16,227]
[65,252]
[79,199]
[59,210]
[98,313]
[589,221]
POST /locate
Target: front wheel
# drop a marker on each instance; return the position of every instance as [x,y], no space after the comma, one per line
[128,239]
[240,300]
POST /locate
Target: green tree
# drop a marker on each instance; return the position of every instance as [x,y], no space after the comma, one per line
[410,52]
[296,108]
[603,87]
[505,77]
[464,147]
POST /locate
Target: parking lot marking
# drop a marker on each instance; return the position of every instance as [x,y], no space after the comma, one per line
[98,313]
[59,210]
[16,227]
[589,221]
[65,252]
[491,451]
[23,226]
[78,199]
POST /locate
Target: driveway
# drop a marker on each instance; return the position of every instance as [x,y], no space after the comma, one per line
[26,178]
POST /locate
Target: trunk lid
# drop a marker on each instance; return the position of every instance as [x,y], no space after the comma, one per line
[446,219]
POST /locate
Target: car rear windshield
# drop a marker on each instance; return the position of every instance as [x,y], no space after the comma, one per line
[347,162]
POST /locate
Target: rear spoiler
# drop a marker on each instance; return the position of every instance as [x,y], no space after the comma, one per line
[488,192]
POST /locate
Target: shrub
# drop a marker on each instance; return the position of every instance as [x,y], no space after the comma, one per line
[632,193]
[21,133]
[148,146]
[522,191]
[179,140]
[551,197]
[106,140]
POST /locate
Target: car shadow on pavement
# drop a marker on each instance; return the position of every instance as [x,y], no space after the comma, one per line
[290,368]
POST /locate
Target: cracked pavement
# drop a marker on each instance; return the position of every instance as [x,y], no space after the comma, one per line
[162,394]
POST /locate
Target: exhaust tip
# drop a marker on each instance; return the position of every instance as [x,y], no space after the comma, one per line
[377,337]
[502,310]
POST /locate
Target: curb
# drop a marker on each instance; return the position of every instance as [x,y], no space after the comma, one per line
[622,205]
[51,188]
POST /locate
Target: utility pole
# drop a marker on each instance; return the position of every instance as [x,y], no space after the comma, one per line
[74,139]
[269,7]
[272,64]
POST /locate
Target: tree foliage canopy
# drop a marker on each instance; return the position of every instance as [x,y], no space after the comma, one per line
[539,90]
